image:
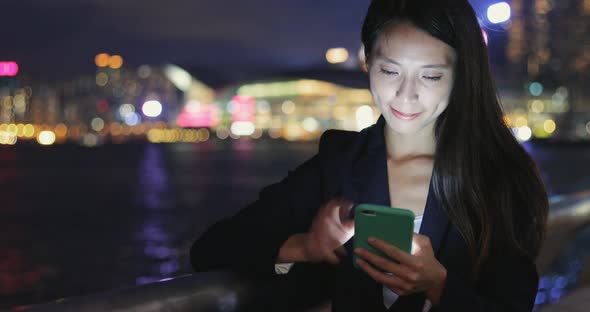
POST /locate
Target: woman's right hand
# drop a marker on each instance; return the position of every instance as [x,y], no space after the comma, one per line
[330,229]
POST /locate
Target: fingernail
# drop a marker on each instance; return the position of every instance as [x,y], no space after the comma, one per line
[371,240]
[357,250]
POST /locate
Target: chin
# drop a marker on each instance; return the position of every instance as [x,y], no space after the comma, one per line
[403,126]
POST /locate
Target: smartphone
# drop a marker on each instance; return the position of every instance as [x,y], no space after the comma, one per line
[393,225]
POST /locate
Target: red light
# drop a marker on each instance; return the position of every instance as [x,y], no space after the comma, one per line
[8,69]
[102,106]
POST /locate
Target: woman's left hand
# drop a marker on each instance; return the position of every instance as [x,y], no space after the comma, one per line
[416,272]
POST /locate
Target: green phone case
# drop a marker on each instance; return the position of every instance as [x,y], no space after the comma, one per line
[393,225]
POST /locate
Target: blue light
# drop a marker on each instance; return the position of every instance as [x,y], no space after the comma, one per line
[132,119]
[536,89]
[541,298]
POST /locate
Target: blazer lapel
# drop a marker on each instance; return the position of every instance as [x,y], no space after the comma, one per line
[435,223]
[367,180]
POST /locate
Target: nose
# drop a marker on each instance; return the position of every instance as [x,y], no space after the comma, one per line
[406,91]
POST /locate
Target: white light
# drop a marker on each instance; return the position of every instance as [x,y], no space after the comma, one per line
[152,108]
[288,107]
[524,133]
[46,138]
[364,117]
[90,140]
[126,109]
[193,106]
[499,12]
[132,119]
[310,124]
[244,128]
[97,124]
[8,138]
[179,77]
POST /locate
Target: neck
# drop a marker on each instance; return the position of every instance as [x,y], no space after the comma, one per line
[408,146]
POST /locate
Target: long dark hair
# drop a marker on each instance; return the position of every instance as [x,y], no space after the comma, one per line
[487,184]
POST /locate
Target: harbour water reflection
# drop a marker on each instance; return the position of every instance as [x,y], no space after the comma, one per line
[77,220]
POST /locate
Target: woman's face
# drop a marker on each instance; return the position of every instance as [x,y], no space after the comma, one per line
[411,75]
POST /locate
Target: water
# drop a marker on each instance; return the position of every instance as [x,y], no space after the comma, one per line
[77,220]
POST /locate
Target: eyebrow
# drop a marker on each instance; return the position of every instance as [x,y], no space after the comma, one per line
[385,58]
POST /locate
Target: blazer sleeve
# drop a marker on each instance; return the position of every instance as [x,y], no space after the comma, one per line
[250,240]
[510,287]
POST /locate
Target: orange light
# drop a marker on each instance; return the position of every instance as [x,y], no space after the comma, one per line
[102,60]
[115,62]
[61,130]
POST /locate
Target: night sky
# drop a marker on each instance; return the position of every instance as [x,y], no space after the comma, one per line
[54,38]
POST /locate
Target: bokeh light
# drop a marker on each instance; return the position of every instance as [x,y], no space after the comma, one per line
[549,126]
[521,122]
[7,138]
[537,106]
[152,108]
[498,12]
[97,124]
[364,117]
[29,130]
[61,130]
[242,128]
[126,109]
[144,71]
[102,79]
[102,60]
[536,88]
[524,133]
[288,107]
[46,137]
[310,124]
[9,69]
[337,55]
[132,119]
[90,140]
[115,61]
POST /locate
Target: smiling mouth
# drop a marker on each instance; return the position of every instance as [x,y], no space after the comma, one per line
[401,115]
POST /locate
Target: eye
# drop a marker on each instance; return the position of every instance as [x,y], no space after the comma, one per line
[387,72]
[433,78]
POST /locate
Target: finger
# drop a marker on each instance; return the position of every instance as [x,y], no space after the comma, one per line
[348,226]
[339,207]
[390,281]
[391,251]
[382,263]
[344,211]
[422,241]
[331,258]
[341,251]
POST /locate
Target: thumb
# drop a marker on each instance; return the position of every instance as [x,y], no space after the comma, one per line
[348,226]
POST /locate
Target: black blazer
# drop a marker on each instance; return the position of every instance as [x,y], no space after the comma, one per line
[353,165]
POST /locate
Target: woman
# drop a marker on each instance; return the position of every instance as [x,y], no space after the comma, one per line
[440,149]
